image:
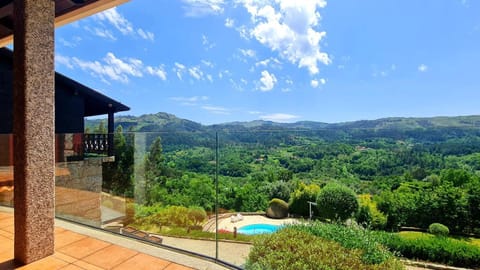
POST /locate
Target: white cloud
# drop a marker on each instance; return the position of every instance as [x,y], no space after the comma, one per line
[271,62]
[116,19]
[146,34]
[63,60]
[157,71]
[200,8]
[130,66]
[229,22]
[103,33]
[123,25]
[70,43]
[216,110]
[288,81]
[190,101]
[254,112]
[247,53]
[179,69]
[288,27]
[209,77]
[196,73]
[224,73]
[423,68]
[111,68]
[208,63]
[315,83]
[279,117]
[268,81]
[207,45]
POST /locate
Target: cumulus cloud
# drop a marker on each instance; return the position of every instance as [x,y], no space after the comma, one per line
[279,117]
[200,8]
[423,68]
[112,68]
[124,26]
[289,28]
[267,81]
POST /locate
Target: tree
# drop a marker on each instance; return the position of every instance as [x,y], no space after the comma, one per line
[154,168]
[337,202]
[101,129]
[299,199]
[117,175]
[279,189]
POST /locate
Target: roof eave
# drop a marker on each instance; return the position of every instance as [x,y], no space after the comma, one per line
[75,15]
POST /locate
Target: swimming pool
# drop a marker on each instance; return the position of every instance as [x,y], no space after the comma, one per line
[258,229]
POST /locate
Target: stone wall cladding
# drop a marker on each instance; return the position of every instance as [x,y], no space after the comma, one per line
[82,175]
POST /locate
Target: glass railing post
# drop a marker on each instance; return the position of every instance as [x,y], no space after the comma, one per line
[216,195]
[140,151]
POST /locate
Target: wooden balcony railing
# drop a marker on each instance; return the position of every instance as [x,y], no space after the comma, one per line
[98,144]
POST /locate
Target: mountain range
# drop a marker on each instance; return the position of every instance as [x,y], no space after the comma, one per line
[165,122]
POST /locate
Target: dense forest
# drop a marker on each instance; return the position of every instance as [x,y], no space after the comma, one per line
[405,171]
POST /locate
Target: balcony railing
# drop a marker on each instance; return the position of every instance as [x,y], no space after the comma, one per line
[97,144]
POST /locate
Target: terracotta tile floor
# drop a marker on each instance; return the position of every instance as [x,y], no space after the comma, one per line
[76,251]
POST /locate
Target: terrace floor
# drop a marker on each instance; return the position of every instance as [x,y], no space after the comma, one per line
[80,247]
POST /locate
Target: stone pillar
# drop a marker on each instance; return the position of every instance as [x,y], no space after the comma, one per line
[33,103]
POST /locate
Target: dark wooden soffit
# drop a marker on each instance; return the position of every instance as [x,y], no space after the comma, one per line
[66,11]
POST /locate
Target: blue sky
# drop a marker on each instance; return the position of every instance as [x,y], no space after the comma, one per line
[215,61]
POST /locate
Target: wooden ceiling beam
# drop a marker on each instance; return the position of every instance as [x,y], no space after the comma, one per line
[75,15]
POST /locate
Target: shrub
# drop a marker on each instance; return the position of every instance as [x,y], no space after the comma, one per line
[337,202]
[350,238]
[299,199]
[438,229]
[274,251]
[196,215]
[426,247]
[368,215]
[277,209]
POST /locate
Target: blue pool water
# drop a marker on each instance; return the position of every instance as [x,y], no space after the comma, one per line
[258,229]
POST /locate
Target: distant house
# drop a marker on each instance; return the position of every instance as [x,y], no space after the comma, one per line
[73,102]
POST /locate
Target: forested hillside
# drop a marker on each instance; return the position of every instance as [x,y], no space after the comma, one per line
[408,171]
